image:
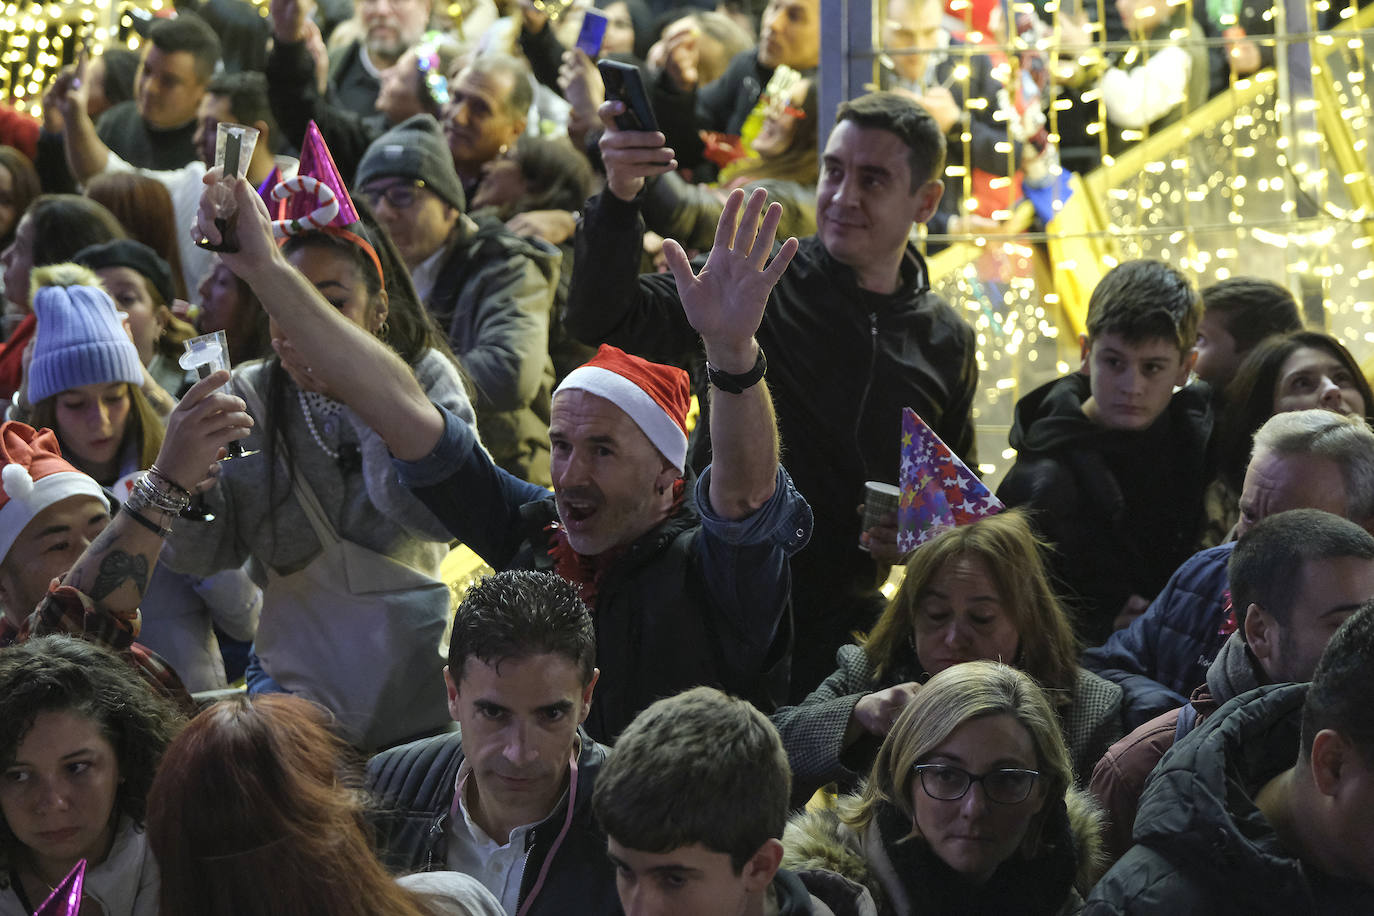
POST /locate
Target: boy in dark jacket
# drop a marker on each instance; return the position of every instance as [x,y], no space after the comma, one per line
[1111,460]
[693,799]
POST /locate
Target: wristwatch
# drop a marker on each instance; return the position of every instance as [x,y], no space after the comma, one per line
[737,384]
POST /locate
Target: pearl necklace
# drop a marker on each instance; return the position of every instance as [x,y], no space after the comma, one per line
[310,423]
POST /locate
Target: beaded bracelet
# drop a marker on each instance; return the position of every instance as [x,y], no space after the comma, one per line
[171,484]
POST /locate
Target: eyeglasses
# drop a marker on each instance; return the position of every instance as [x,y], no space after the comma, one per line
[399,196]
[948,783]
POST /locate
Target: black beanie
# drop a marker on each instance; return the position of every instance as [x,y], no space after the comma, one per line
[136,256]
[414,149]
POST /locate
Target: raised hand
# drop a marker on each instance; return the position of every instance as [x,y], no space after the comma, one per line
[630,156]
[584,89]
[67,95]
[256,246]
[725,302]
[678,54]
[289,18]
[197,431]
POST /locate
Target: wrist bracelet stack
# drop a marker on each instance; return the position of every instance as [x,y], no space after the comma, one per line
[155,490]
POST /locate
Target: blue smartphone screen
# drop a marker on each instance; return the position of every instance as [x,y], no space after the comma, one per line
[593,30]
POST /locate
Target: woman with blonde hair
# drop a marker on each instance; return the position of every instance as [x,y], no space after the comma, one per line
[968,807]
[255,810]
[975,592]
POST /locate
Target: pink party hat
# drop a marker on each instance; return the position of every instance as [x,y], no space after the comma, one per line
[65,900]
[938,490]
[318,163]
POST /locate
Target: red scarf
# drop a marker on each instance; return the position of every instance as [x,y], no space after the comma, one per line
[587,572]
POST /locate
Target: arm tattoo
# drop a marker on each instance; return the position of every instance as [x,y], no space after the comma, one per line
[115,569]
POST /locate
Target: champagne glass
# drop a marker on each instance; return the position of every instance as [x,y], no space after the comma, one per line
[234,146]
[206,354]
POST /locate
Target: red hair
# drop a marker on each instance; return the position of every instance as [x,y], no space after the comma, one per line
[252,812]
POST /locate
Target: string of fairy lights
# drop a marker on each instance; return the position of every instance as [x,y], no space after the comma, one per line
[1270,178]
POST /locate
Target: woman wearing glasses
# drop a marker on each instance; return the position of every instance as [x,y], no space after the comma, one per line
[968,807]
[979,591]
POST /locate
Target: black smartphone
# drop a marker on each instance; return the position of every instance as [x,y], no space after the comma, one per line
[624,84]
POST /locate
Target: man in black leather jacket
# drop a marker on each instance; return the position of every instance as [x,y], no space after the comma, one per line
[507,799]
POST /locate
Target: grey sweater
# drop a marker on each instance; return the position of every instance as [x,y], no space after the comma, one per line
[264,524]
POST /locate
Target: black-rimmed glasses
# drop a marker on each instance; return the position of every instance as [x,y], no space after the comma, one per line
[399,196]
[943,782]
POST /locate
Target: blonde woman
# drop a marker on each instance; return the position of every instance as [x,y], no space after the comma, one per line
[968,807]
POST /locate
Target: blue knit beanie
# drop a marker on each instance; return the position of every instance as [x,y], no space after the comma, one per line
[80,340]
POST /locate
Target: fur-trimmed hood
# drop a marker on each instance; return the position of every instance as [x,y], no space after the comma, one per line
[819,839]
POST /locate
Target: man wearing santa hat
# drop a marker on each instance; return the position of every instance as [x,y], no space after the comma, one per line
[688,584]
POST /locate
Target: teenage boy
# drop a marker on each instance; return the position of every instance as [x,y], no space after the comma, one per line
[1111,460]
[693,800]
[1238,313]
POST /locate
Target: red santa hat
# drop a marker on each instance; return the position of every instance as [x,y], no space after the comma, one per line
[34,476]
[655,396]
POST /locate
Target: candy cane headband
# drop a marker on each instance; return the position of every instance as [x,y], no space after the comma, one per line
[321,218]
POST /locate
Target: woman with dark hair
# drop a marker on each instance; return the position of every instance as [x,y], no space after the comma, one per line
[110,78]
[143,207]
[353,611]
[968,808]
[227,304]
[80,737]
[417,83]
[975,592]
[256,809]
[1295,371]
[538,178]
[19,187]
[783,161]
[539,173]
[55,227]
[141,285]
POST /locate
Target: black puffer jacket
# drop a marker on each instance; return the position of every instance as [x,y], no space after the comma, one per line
[1201,844]
[1123,508]
[413,787]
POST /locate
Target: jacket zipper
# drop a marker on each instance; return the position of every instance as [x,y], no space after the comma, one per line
[868,382]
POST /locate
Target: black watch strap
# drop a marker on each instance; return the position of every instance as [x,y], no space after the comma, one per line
[737,384]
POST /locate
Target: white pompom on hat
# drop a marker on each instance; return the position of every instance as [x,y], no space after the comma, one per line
[657,397]
[34,476]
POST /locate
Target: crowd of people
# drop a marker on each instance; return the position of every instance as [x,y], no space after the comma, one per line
[643,375]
